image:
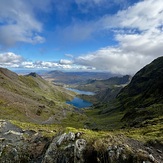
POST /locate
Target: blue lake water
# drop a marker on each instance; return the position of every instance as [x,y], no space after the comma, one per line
[78,102]
[81,92]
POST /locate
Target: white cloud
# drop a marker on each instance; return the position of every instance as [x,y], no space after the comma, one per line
[139,31]
[69,55]
[114,60]
[18,23]
[143,16]
[27,64]
[10,60]
[65,62]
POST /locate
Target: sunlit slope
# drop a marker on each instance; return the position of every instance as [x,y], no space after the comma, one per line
[31,98]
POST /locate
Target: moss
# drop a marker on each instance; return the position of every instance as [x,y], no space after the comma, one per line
[139,116]
[88,134]
[74,119]
[107,121]
[28,80]
[145,134]
[45,130]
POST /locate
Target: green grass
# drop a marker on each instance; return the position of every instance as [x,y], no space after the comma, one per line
[74,119]
[45,130]
[11,112]
[144,134]
[108,121]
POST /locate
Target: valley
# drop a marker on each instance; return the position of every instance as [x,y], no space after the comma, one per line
[123,121]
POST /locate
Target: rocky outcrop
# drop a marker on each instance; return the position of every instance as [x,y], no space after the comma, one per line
[17,145]
[66,148]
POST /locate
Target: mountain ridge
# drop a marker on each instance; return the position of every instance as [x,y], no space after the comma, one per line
[30,97]
[145,88]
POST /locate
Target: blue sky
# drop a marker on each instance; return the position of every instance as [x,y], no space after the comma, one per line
[118,36]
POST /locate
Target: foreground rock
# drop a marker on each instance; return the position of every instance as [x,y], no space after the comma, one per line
[66,148]
[28,146]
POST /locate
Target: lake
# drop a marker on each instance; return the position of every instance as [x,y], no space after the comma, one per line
[81,92]
[78,102]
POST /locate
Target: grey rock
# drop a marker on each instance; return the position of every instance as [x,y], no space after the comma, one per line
[159,151]
[151,157]
[61,139]
[80,146]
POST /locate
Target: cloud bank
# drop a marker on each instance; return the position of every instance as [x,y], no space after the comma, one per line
[18,23]
[139,32]
[12,60]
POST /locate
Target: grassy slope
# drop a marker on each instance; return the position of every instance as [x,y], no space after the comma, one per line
[145,88]
[140,100]
[100,118]
[31,98]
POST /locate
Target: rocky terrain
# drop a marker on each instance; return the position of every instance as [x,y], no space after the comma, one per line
[19,145]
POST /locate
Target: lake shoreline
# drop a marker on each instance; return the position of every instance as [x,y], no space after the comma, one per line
[79,102]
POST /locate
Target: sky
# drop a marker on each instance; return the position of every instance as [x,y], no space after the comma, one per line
[118,36]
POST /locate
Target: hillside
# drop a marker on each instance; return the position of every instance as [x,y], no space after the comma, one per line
[105,90]
[103,85]
[31,98]
[140,103]
[142,99]
[145,88]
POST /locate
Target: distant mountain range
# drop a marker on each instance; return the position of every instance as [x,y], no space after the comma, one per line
[75,77]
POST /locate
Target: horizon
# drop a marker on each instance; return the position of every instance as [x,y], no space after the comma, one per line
[41,71]
[119,36]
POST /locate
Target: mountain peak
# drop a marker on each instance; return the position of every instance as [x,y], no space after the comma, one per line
[56,72]
[34,74]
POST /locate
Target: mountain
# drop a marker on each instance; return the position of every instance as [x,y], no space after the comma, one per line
[31,98]
[60,77]
[145,88]
[139,103]
[105,90]
[142,98]
[102,85]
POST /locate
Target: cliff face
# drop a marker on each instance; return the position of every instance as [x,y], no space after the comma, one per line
[28,146]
